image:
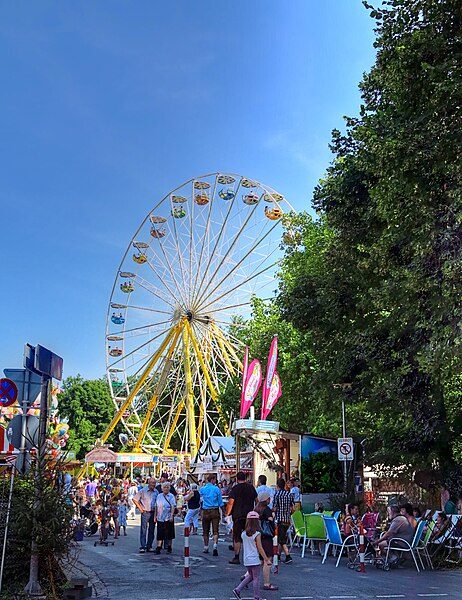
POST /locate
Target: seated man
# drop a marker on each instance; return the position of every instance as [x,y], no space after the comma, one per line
[399,528]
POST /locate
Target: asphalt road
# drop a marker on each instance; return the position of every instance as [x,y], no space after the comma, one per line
[125,574]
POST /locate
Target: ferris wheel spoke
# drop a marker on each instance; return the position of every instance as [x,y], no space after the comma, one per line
[146,285]
[125,356]
[162,279]
[231,290]
[243,259]
[212,253]
[144,327]
[180,256]
[179,288]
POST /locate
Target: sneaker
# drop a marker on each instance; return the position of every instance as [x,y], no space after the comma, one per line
[237,594]
[235,561]
[157,551]
[149,550]
[288,559]
[142,550]
[215,552]
[205,551]
[169,550]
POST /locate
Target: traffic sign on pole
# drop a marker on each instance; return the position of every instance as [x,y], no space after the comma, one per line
[27,383]
[8,392]
[345,449]
[15,433]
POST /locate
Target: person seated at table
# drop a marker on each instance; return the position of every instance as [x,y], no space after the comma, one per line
[406,510]
[399,528]
[352,520]
[417,513]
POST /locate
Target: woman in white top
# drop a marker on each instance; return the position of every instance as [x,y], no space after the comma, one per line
[253,549]
[164,515]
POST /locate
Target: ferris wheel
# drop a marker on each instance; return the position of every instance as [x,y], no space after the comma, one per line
[187,276]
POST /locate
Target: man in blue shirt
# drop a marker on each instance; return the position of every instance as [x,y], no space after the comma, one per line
[212,501]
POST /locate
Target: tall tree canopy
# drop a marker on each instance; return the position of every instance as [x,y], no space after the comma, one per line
[381,296]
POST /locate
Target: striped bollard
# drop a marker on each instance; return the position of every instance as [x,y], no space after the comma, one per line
[362,566]
[275,551]
[186,552]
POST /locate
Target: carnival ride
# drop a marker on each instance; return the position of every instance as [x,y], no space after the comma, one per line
[201,253]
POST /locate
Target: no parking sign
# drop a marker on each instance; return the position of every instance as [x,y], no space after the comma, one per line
[345,448]
[8,392]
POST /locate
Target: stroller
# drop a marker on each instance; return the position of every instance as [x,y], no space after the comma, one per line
[91,523]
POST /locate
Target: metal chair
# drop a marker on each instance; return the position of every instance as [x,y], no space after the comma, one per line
[334,539]
[412,547]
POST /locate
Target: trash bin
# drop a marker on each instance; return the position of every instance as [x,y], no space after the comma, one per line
[78,532]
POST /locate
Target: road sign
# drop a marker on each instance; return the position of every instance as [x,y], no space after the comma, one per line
[23,462]
[8,392]
[345,448]
[28,384]
[14,431]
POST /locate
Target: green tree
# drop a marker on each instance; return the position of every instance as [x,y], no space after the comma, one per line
[89,408]
[381,299]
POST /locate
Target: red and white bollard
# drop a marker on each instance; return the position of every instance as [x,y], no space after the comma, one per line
[275,552]
[362,566]
[186,552]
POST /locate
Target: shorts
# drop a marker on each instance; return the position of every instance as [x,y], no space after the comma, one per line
[238,528]
[283,528]
[267,544]
[210,516]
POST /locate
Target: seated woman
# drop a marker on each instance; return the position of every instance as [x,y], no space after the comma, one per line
[441,526]
[352,520]
[407,511]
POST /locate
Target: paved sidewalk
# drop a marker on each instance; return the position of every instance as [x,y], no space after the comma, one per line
[119,572]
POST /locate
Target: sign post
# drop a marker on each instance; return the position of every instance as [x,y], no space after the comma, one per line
[45,363]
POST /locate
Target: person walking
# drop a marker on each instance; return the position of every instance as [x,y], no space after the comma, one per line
[241,501]
[283,507]
[262,487]
[165,506]
[212,502]
[267,533]
[132,491]
[123,511]
[252,550]
[192,516]
[145,500]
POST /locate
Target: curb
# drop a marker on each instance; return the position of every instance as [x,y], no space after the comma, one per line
[99,588]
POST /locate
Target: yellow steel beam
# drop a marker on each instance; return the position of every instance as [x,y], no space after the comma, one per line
[136,389]
[225,342]
[173,426]
[190,416]
[159,388]
[213,392]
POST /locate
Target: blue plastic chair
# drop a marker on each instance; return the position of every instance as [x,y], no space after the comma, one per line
[334,539]
[412,548]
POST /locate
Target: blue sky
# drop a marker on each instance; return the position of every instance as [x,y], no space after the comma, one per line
[107,106]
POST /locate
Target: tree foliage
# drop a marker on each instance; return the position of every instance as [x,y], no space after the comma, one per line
[376,280]
[88,406]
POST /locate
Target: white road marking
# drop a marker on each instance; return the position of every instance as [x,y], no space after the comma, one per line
[392,596]
[343,596]
[430,595]
[296,597]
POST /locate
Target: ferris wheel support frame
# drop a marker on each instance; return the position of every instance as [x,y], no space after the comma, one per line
[159,387]
[190,416]
[110,428]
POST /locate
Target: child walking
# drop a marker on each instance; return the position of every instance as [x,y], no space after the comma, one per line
[123,512]
[252,549]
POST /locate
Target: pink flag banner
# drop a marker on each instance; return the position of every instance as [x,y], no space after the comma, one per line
[252,385]
[244,378]
[270,369]
[274,394]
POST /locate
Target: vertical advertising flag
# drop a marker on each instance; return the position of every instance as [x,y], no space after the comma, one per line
[270,370]
[244,378]
[274,394]
[252,385]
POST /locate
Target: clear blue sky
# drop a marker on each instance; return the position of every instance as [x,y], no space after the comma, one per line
[106,106]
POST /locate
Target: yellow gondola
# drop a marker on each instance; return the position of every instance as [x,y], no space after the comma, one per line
[140,258]
[274,214]
[202,199]
[127,287]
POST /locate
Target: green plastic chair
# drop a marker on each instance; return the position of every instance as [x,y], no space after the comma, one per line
[315,530]
[328,513]
[298,523]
